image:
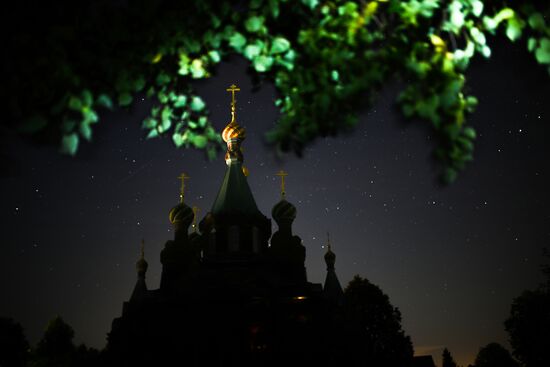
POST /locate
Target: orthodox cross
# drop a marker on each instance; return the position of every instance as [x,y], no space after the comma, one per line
[282,175]
[233,88]
[182,177]
[328,241]
[196,210]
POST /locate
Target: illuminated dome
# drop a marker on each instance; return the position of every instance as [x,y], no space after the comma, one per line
[283,211]
[233,131]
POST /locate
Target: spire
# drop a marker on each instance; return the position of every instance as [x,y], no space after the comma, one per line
[332,288]
[282,174]
[234,194]
[141,264]
[233,88]
[140,290]
[330,257]
[182,177]
[233,134]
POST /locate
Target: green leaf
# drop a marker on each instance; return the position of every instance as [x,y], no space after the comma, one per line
[513,30]
[504,14]
[202,121]
[197,104]
[75,103]
[531,44]
[69,144]
[139,83]
[542,53]
[199,141]
[477,7]
[310,3]
[262,63]
[104,101]
[237,41]
[197,69]
[87,97]
[254,23]
[124,99]
[152,134]
[214,56]
[180,101]
[450,175]
[470,133]
[486,51]
[279,45]
[536,21]
[149,123]
[90,117]
[252,51]
[85,130]
[163,78]
[177,139]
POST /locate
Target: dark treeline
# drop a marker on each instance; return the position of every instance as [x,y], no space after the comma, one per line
[375,329]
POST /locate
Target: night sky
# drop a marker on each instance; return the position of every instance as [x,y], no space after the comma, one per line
[451,258]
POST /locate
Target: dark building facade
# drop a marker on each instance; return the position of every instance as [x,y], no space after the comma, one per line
[232,293]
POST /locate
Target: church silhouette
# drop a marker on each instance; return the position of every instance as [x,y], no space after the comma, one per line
[231,292]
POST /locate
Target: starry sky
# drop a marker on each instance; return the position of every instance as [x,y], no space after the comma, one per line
[451,258]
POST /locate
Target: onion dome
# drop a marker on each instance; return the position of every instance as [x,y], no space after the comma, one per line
[181,214]
[330,258]
[233,131]
[283,211]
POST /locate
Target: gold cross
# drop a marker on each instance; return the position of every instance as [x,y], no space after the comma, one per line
[282,175]
[196,210]
[233,88]
[182,177]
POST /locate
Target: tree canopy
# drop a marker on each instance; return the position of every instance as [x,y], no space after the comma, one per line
[374,332]
[447,359]
[66,61]
[494,355]
[529,324]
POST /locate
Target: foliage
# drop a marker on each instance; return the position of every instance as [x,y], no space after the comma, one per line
[529,324]
[327,60]
[494,355]
[447,359]
[56,346]
[374,327]
[13,343]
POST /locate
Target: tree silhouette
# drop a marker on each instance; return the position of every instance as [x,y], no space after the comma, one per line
[373,327]
[494,355]
[529,324]
[56,347]
[327,60]
[448,360]
[13,344]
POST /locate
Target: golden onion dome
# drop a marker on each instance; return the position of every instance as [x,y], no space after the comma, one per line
[233,131]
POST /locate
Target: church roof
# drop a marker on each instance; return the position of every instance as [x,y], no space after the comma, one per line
[235,195]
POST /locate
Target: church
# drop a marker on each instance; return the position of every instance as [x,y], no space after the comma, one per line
[232,293]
